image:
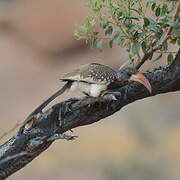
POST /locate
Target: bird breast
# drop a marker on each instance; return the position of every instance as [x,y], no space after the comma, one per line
[93,90]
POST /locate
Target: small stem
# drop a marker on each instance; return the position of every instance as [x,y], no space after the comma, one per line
[126,34]
[146,37]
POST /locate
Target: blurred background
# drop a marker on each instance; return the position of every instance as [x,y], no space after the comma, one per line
[37,46]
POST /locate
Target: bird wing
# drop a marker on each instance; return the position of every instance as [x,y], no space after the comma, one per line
[92,73]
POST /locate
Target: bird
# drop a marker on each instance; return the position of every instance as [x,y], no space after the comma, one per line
[94,80]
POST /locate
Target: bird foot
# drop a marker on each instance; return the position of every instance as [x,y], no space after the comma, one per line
[34,143]
[65,108]
[61,136]
[111,95]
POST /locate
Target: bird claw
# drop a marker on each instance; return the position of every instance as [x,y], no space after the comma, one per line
[61,136]
[65,108]
[34,143]
[111,95]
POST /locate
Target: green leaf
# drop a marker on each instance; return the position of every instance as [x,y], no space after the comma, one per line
[179,41]
[174,24]
[117,37]
[151,20]
[99,45]
[127,23]
[143,46]
[136,10]
[134,17]
[152,1]
[153,6]
[136,35]
[122,43]
[142,34]
[176,32]
[130,56]
[158,11]
[157,58]
[154,29]
[173,41]
[162,35]
[170,58]
[83,28]
[104,25]
[96,6]
[111,43]
[136,48]
[109,30]
[164,10]
[134,28]
[146,21]
[92,43]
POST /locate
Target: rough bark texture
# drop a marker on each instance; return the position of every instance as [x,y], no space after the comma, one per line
[29,143]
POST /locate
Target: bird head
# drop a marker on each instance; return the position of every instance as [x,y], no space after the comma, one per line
[132,74]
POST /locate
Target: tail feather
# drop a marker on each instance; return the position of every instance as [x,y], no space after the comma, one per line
[51,98]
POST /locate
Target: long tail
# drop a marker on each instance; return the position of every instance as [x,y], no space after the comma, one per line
[51,98]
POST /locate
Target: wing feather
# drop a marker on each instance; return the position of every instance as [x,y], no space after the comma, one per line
[92,73]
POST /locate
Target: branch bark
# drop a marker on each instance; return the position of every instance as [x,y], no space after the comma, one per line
[31,141]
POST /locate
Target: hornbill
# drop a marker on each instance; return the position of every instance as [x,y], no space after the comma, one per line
[94,80]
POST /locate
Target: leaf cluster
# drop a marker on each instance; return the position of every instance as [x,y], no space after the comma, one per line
[136,25]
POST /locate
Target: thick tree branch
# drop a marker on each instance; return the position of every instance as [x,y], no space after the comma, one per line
[35,138]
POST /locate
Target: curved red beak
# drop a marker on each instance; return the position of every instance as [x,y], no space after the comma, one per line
[139,77]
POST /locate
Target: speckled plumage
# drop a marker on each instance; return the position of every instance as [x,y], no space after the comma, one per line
[92,73]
